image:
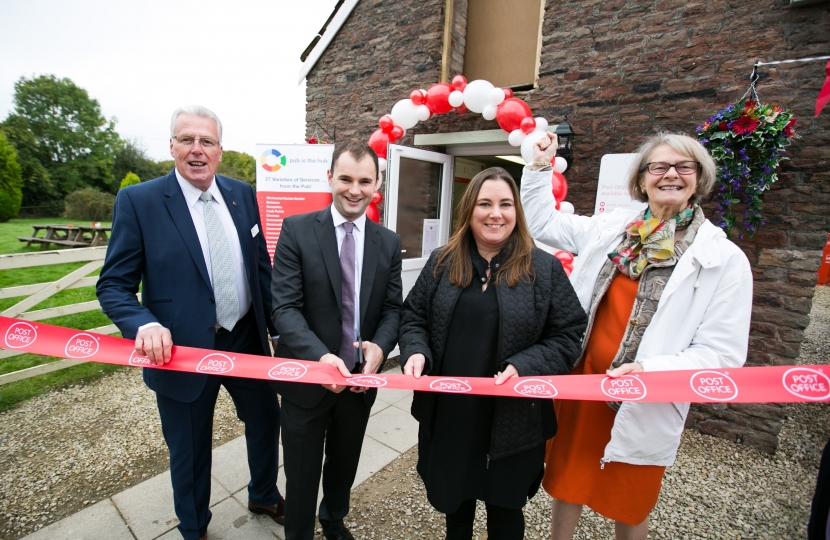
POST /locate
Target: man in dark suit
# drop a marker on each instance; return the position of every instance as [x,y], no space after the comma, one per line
[336,278]
[193,241]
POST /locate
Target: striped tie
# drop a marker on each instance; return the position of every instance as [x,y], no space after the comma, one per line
[221,266]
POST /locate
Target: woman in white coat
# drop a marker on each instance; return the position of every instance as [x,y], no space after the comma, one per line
[664,289]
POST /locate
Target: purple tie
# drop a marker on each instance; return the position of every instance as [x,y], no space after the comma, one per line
[347,350]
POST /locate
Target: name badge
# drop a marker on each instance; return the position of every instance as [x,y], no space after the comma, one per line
[255,230]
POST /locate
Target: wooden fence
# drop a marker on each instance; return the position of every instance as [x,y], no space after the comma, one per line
[37,293]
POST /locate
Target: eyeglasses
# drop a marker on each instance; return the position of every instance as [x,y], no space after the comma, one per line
[189,140]
[682,167]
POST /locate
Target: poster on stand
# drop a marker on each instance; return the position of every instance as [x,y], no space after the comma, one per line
[290,179]
[612,191]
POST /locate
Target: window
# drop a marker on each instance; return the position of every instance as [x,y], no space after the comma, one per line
[504,41]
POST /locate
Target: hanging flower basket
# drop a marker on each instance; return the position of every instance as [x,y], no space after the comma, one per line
[747,142]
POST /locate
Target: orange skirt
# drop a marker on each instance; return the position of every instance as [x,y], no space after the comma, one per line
[619,491]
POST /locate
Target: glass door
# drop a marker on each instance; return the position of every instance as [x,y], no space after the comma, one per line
[418,205]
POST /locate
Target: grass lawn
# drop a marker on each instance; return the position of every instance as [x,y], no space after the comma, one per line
[13,393]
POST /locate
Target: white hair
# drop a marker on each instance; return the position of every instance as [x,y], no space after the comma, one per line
[196,110]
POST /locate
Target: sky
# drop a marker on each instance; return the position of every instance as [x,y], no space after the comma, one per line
[142,60]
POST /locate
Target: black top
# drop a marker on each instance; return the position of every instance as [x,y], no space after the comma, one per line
[454,464]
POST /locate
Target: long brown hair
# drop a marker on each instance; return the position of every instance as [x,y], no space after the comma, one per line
[456,254]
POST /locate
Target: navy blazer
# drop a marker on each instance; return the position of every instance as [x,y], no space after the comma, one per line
[154,243]
[307,290]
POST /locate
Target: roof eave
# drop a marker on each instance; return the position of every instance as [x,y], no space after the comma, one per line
[321,42]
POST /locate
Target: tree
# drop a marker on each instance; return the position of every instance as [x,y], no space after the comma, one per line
[129,180]
[11,181]
[238,165]
[132,158]
[89,205]
[166,166]
[75,143]
[37,186]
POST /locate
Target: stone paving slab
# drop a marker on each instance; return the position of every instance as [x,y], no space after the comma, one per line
[88,524]
[395,428]
[145,511]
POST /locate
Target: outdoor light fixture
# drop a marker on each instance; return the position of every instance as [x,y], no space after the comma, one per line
[566,136]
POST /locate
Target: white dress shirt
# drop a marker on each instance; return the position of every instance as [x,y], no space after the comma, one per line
[359,233]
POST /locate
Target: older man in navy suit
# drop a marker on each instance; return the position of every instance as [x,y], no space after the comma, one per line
[192,239]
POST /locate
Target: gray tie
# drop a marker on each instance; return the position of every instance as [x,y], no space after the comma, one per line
[221,265]
[347,350]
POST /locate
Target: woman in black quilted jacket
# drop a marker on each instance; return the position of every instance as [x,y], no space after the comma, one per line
[487,304]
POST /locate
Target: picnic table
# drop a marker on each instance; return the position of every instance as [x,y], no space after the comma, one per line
[68,235]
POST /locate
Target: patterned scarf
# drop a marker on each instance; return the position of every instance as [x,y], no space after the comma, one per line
[648,240]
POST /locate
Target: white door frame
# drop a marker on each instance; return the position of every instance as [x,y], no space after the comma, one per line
[411,268]
[395,153]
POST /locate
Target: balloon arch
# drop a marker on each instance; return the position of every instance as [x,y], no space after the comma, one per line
[479,96]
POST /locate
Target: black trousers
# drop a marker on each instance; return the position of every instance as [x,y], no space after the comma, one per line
[502,523]
[188,432]
[334,428]
[819,526]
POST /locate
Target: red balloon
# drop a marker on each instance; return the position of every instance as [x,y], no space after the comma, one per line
[508,93]
[386,123]
[568,268]
[378,142]
[396,133]
[377,197]
[565,257]
[373,213]
[459,82]
[557,205]
[511,112]
[559,187]
[438,98]
[417,97]
[462,109]
[527,125]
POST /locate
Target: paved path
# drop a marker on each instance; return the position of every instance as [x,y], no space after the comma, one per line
[145,511]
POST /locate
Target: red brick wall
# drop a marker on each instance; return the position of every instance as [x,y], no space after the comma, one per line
[621,70]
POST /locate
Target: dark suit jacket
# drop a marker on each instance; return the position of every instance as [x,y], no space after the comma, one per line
[306,287]
[154,243]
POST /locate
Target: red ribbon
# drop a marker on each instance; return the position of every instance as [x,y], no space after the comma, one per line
[774,384]
[824,94]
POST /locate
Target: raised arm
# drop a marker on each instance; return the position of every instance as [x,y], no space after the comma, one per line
[546,223]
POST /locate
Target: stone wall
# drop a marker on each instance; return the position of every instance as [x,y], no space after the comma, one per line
[621,70]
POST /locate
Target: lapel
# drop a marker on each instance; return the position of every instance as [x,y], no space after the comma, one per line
[235,210]
[371,254]
[180,214]
[326,239]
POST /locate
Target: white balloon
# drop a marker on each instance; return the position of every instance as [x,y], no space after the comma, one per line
[381,164]
[489,112]
[405,113]
[496,96]
[527,145]
[380,181]
[423,112]
[541,124]
[560,165]
[566,208]
[456,98]
[477,95]
[516,137]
